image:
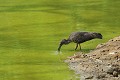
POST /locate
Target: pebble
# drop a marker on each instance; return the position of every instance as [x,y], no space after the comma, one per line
[115,74]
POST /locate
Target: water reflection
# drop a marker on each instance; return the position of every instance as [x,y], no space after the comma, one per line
[57,52]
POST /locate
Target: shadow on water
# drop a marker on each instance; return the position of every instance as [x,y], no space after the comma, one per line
[51,5]
[32,8]
[82,50]
[50,8]
[86,50]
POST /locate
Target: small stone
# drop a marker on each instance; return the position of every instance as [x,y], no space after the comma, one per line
[89,77]
[110,71]
[115,74]
[84,55]
[101,76]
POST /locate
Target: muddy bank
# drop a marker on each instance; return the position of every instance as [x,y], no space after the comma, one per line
[103,63]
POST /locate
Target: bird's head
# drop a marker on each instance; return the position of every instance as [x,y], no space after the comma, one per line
[98,35]
[63,42]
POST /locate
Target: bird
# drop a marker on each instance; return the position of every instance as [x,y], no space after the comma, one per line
[79,37]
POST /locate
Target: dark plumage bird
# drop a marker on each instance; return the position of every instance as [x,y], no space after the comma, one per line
[79,37]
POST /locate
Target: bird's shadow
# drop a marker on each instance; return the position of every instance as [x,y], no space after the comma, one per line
[86,50]
[83,50]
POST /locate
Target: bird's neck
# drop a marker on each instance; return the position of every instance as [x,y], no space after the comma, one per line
[68,41]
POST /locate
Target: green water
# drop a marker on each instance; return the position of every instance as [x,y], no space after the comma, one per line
[30,31]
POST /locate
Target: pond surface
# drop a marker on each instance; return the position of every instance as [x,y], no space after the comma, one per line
[30,32]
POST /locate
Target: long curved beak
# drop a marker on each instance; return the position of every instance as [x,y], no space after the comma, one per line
[59,47]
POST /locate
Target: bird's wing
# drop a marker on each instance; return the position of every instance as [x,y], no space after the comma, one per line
[76,36]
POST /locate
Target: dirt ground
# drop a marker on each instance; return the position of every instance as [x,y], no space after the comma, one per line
[103,63]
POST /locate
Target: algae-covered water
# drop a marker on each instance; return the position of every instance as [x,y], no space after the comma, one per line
[30,31]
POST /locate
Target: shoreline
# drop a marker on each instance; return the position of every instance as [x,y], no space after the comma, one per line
[103,63]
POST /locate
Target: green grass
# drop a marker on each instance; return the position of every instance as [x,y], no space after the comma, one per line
[30,32]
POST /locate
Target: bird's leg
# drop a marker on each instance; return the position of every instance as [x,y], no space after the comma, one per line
[76,46]
[80,46]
